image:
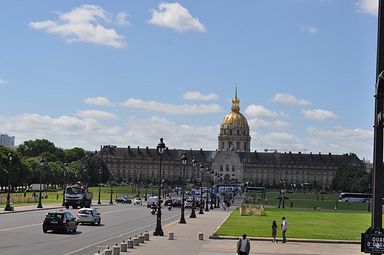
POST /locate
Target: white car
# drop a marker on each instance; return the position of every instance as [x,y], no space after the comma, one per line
[89,215]
[137,201]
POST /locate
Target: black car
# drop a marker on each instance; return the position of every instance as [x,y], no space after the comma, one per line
[123,200]
[59,221]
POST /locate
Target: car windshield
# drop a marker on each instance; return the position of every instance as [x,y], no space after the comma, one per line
[73,190]
[85,211]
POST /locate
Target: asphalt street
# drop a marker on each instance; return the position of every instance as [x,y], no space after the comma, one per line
[21,233]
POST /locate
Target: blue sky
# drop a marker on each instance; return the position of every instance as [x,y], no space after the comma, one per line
[127,72]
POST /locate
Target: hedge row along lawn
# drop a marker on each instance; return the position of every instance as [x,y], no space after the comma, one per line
[303,223]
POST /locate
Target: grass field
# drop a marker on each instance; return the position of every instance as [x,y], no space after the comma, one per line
[302,223]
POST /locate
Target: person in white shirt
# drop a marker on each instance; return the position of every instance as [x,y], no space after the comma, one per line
[284,228]
[243,245]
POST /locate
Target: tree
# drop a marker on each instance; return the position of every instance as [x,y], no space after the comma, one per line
[351,179]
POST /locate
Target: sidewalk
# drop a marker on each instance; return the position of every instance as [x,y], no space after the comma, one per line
[186,241]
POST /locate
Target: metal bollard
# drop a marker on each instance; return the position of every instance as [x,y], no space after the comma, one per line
[116,250]
[107,251]
[200,236]
[130,244]
[146,236]
[123,246]
[141,238]
[136,241]
[170,236]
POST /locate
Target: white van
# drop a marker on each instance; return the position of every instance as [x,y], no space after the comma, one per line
[151,201]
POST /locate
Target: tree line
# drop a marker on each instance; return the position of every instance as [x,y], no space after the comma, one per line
[40,161]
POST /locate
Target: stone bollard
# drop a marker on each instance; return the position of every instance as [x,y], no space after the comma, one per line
[141,238]
[107,251]
[170,236]
[200,236]
[136,241]
[130,244]
[123,246]
[146,236]
[116,250]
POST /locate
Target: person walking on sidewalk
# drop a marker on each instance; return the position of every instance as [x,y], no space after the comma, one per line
[284,228]
[274,231]
[243,245]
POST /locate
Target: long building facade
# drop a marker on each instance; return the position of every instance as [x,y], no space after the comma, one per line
[231,162]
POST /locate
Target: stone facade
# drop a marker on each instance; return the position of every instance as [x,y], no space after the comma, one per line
[233,161]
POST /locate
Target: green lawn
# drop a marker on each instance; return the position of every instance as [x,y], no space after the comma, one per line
[303,223]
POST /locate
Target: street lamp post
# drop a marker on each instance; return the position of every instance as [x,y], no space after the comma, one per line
[184,163]
[210,187]
[65,181]
[110,198]
[208,171]
[194,163]
[42,164]
[98,200]
[8,206]
[158,230]
[201,188]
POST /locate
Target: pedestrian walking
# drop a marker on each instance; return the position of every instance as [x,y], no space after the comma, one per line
[284,228]
[243,245]
[274,231]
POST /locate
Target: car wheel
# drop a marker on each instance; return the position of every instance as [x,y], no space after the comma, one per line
[98,223]
[66,206]
[75,229]
[45,230]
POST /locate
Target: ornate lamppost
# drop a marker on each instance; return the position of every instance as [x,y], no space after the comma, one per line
[201,188]
[158,231]
[110,198]
[208,171]
[42,165]
[211,176]
[8,206]
[184,163]
[65,181]
[98,200]
[194,163]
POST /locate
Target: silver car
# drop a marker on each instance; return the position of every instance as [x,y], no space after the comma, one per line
[89,215]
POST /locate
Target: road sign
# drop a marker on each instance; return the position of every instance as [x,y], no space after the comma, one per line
[372,243]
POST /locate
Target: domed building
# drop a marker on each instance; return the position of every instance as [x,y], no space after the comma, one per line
[232,161]
[234,131]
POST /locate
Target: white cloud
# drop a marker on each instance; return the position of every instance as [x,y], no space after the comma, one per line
[98,101]
[308,29]
[259,111]
[194,95]
[94,114]
[121,19]
[3,82]
[319,114]
[64,131]
[260,123]
[368,6]
[171,108]
[175,16]
[83,24]
[342,140]
[285,98]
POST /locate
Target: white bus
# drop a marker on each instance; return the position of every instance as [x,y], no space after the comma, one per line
[350,197]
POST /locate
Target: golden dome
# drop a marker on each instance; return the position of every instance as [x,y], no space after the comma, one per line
[235,118]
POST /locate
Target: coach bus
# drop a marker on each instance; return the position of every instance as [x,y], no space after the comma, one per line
[350,197]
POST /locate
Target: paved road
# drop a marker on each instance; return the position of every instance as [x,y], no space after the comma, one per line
[21,233]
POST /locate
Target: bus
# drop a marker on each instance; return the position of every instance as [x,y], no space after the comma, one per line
[350,197]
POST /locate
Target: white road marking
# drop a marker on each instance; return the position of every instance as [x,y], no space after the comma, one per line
[25,226]
[105,240]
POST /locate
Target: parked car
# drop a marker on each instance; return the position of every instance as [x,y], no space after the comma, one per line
[89,215]
[188,203]
[137,201]
[123,200]
[59,221]
[176,202]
